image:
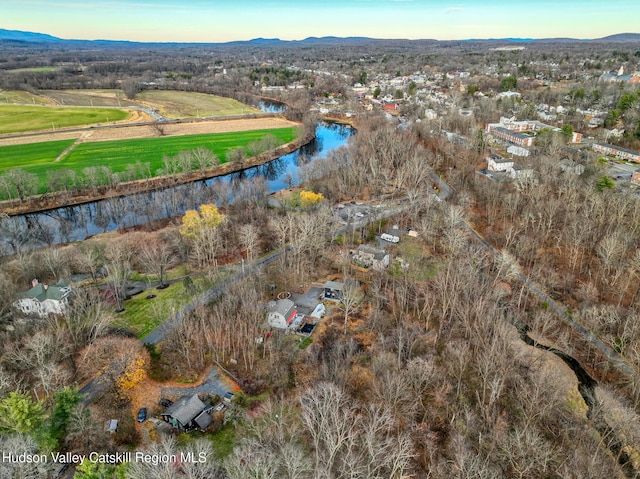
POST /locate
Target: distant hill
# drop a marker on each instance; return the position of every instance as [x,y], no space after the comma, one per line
[621,37]
[27,36]
[17,36]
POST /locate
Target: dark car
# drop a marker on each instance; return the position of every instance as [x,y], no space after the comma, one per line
[165,402]
[142,414]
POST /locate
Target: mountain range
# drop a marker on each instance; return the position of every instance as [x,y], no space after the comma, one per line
[17,36]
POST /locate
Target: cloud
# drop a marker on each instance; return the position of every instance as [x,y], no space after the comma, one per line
[453,10]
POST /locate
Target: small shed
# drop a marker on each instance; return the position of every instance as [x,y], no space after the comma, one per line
[111,426]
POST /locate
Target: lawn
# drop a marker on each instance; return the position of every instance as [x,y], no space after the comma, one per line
[14,119]
[118,154]
[141,315]
[178,104]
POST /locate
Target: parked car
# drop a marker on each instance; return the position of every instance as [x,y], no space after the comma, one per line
[142,414]
[165,402]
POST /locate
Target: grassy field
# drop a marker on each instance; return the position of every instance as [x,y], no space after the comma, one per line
[33,157]
[178,104]
[38,158]
[20,97]
[106,98]
[33,70]
[14,119]
[141,315]
[118,154]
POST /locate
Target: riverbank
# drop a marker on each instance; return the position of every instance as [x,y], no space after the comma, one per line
[55,200]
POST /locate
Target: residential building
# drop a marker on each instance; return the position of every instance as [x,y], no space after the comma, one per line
[617,151]
[518,151]
[570,166]
[281,313]
[496,162]
[521,173]
[43,299]
[333,291]
[510,136]
[369,257]
[188,413]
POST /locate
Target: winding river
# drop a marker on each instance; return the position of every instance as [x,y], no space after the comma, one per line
[75,223]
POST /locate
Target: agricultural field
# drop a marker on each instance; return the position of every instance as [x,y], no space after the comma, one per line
[178,104]
[35,158]
[15,119]
[39,158]
[120,153]
[19,97]
[95,98]
[33,70]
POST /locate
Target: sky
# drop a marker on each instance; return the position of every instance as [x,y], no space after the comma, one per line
[224,20]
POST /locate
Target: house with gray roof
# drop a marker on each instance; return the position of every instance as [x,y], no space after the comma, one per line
[188,413]
[369,257]
[281,313]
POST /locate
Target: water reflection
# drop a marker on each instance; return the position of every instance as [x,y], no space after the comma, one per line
[74,223]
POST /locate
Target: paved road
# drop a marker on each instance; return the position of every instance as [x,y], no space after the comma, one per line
[161,332]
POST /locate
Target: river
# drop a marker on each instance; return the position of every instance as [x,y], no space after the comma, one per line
[74,223]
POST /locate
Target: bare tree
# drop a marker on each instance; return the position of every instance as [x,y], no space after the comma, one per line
[249,238]
[350,300]
[156,256]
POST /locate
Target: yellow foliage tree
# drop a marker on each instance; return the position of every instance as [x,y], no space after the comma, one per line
[309,198]
[194,223]
[135,372]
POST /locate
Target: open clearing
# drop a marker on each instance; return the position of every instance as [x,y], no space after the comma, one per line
[171,104]
[34,157]
[126,132]
[113,98]
[15,119]
[120,153]
[179,104]
[19,97]
[119,147]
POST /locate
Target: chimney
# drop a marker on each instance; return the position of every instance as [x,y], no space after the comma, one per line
[34,282]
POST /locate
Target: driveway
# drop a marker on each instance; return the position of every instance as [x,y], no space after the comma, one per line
[306,302]
[213,384]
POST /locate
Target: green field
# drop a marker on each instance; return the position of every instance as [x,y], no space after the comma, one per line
[14,119]
[180,104]
[38,158]
[33,157]
[120,153]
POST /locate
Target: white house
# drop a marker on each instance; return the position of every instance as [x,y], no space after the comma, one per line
[42,299]
[281,313]
[521,173]
[517,151]
[496,162]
